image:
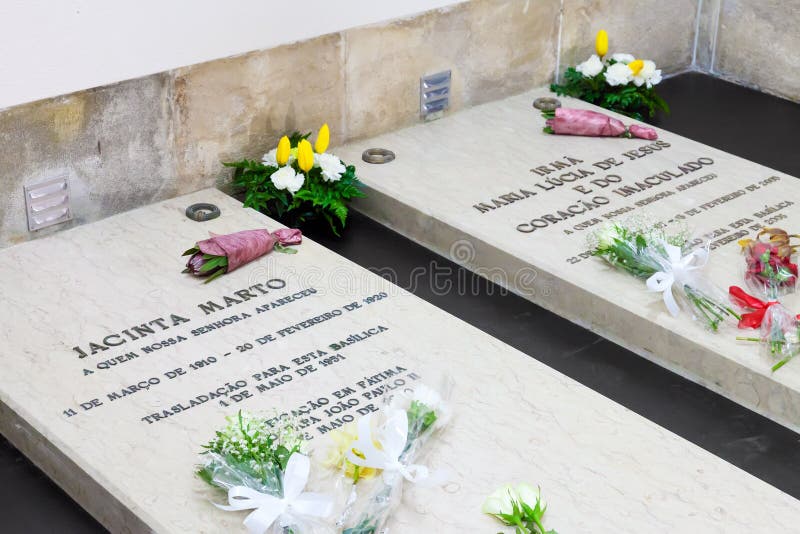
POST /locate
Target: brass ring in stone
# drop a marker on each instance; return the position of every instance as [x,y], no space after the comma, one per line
[377,155]
[547,103]
[202,212]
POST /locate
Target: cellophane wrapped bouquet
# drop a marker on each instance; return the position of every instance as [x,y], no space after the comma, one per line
[770,274]
[380,455]
[260,463]
[668,264]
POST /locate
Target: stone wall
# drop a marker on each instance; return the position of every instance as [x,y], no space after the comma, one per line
[143,140]
[752,42]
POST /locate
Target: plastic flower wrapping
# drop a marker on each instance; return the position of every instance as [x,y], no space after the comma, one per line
[568,121]
[669,264]
[770,266]
[770,273]
[383,453]
[260,463]
[297,182]
[618,82]
[221,254]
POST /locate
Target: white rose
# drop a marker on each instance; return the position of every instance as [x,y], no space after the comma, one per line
[591,67]
[286,178]
[618,74]
[332,168]
[649,75]
[606,237]
[499,502]
[526,494]
[623,58]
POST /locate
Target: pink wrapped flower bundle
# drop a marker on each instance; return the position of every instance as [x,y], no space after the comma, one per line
[568,121]
[222,254]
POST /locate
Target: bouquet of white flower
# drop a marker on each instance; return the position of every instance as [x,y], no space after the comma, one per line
[391,449]
[620,82]
[260,463]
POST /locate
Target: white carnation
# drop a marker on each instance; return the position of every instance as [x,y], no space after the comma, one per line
[623,58]
[648,76]
[591,67]
[286,178]
[618,74]
[270,159]
[331,166]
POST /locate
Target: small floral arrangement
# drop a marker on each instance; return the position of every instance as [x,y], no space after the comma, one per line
[770,269]
[221,254]
[521,507]
[296,183]
[778,329]
[663,261]
[260,463]
[620,82]
[390,450]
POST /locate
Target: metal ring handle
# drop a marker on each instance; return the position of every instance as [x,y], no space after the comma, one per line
[202,211]
[547,103]
[377,155]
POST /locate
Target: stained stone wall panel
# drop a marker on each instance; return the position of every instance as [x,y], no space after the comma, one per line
[111,142]
[649,29]
[240,106]
[495,48]
[758,43]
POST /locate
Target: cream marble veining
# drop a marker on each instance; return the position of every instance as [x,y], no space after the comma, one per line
[602,467]
[446,167]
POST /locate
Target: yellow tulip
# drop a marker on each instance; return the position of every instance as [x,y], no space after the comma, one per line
[282,153]
[636,66]
[323,139]
[601,43]
[305,155]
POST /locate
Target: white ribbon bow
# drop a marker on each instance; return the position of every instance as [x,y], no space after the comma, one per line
[678,271]
[392,438]
[268,508]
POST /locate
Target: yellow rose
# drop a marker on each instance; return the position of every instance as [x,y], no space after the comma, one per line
[323,139]
[282,153]
[601,43]
[305,156]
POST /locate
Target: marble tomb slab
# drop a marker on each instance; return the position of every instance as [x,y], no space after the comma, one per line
[485,187]
[602,467]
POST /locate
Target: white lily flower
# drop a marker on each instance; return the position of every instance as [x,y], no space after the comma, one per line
[591,67]
[623,58]
[287,178]
[332,168]
[500,502]
[648,76]
[618,74]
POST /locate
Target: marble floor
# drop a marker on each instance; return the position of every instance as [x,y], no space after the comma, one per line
[729,117]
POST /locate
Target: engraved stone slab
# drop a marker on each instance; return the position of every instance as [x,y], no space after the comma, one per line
[488,188]
[110,358]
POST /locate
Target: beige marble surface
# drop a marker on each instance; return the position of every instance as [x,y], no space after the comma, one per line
[602,468]
[443,169]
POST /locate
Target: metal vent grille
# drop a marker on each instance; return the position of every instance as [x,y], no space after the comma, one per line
[47,203]
[434,94]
